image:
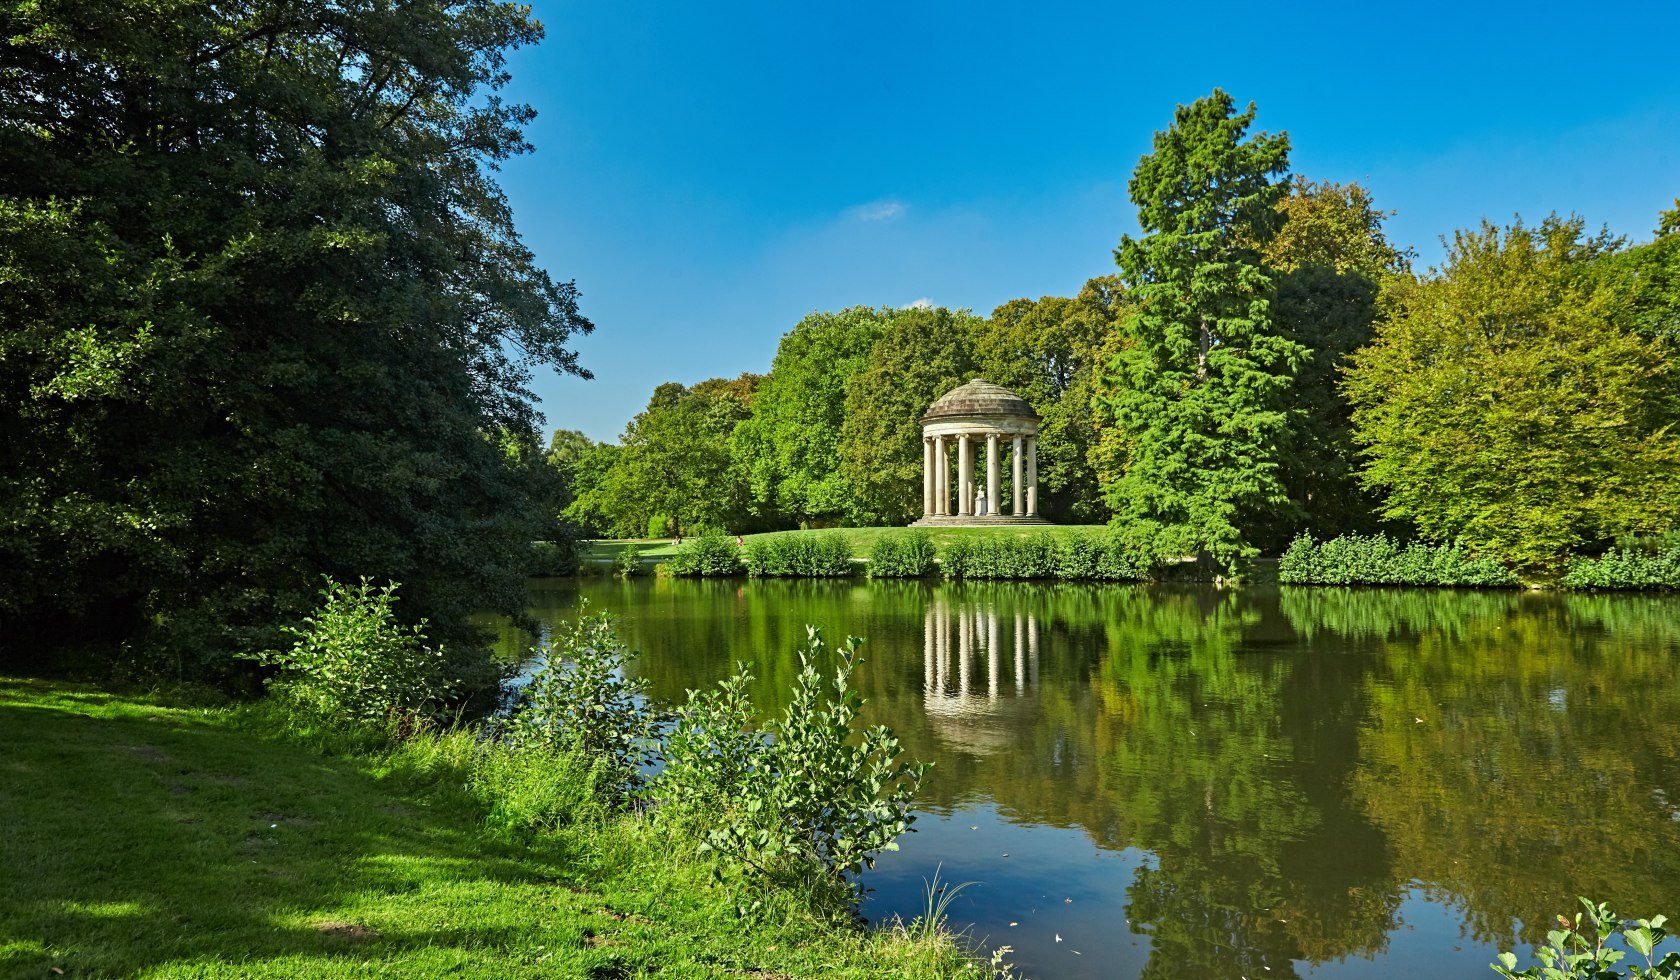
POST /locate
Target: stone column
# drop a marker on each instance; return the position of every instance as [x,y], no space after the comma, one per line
[965,477]
[993,484]
[927,476]
[1032,476]
[1017,494]
[941,478]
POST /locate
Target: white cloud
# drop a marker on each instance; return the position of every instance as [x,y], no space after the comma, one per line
[920,304]
[876,211]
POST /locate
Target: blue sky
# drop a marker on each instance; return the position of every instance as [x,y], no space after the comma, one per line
[709,173]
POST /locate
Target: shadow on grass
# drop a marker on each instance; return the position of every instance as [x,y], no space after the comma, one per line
[135,838]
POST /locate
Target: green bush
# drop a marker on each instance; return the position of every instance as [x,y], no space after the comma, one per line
[658,526]
[582,701]
[711,555]
[1354,559]
[1625,569]
[1574,953]
[907,555]
[553,558]
[628,564]
[355,665]
[799,556]
[1001,558]
[1099,558]
[812,794]
[528,789]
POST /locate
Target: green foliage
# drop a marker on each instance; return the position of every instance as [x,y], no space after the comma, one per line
[1574,953]
[529,788]
[907,555]
[1624,569]
[789,447]
[813,794]
[628,564]
[1510,402]
[710,555]
[827,555]
[354,665]
[1076,557]
[922,354]
[1201,392]
[1353,559]
[266,317]
[554,558]
[581,700]
[1047,352]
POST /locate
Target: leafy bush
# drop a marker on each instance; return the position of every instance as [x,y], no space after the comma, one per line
[355,665]
[711,555]
[553,558]
[1354,559]
[811,793]
[1572,953]
[582,701]
[907,555]
[628,564]
[799,555]
[1008,558]
[1099,558]
[658,526]
[1625,569]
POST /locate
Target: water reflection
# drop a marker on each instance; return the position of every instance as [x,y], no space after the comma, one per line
[1327,782]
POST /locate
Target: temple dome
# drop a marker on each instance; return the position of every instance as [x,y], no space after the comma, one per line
[979,398]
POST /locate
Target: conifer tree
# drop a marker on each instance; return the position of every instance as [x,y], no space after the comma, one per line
[1200,392]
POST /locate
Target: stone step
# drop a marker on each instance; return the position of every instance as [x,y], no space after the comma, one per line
[999,520]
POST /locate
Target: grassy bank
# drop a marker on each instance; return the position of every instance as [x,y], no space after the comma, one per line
[861,539]
[145,838]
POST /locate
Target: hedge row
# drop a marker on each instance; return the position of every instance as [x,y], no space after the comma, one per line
[1355,559]
[711,555]
[909,555]
[1082,557]
[799,556]
[1624,569]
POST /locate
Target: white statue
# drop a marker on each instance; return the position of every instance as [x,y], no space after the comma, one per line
[980,504]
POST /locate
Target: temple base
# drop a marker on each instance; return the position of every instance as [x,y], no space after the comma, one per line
[999,520]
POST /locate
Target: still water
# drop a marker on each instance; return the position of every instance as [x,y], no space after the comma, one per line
[1155,782]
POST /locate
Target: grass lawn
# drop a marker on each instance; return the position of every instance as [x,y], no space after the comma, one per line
[861,538]
[143,839]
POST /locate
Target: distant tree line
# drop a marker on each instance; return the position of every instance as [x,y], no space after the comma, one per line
[1265,362]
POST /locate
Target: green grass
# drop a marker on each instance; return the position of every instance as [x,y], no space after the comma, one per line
[861,538]
[139,838]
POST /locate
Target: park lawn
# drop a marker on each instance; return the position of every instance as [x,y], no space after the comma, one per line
[139,838]
[860,538]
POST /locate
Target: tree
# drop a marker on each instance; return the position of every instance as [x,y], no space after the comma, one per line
[1201,392]
[1328,259]
[674,462]
[922,354]
[789,448]
[265,316]
[1508,403]
[1047,352]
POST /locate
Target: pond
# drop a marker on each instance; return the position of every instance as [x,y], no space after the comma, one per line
[1177,782]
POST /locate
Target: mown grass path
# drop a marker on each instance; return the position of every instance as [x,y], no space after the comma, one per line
[860,538]
[142,839]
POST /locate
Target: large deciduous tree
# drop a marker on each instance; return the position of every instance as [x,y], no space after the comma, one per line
[1201,392]
[789,448]
[263,316]
[1511,402]
[921,355]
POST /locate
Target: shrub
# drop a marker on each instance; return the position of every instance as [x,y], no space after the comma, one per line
[628,564]
[581,700]
[1001,558]
[1571,952]
[1625,569]
[1099,558]
[799,555]
[553,558]
[530,788]
[659,525]
[810,794]
[355,665]
[711,554]
[907,555]
[1354,559]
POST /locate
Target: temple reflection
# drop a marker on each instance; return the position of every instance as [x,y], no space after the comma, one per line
[967,646]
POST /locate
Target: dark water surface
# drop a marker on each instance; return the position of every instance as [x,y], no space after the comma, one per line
[1264,783]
